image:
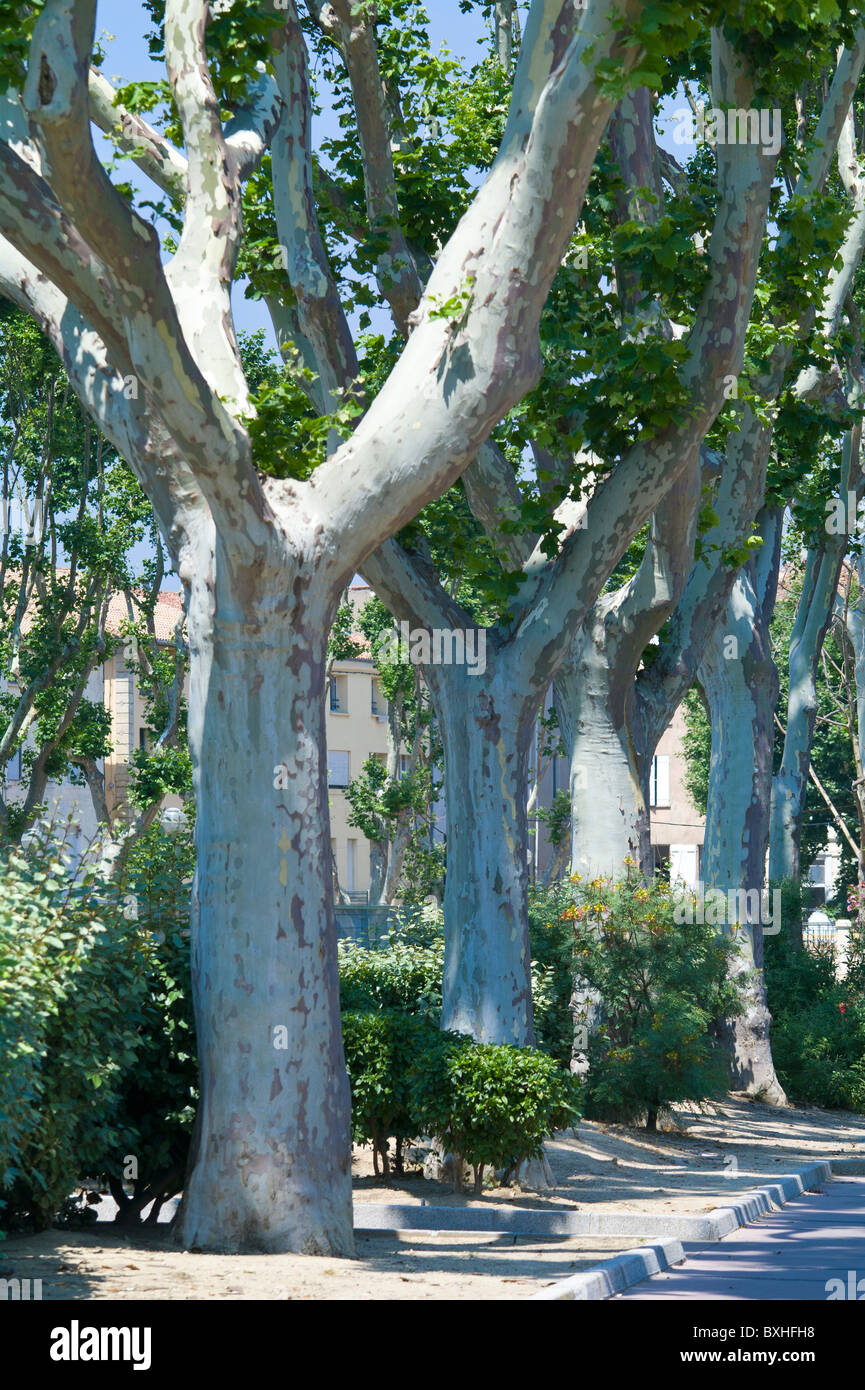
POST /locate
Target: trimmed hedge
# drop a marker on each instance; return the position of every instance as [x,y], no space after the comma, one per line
[492,1106]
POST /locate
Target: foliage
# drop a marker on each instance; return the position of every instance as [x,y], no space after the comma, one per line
[663,984]
[73,984]
[818,1024]
[384,1052]
[391,804]
[82,514]
[697,750]
[96,1031]
[406,976]
[158,1094]
[494,1105]
[491,1105]
[551,941]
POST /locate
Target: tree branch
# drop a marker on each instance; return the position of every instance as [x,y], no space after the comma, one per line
[132,135]
[320,313]
[458,376]
[397,273]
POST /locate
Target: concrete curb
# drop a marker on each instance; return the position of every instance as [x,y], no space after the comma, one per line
[525,1221]
[612,1276]
[609,1277]
[848,1165]
[761,1200]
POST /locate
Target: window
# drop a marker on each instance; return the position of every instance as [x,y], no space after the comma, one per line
[13,767]
[403,766]
[337,769]
[143,738]
[339,694]
[659,781]
[661,856]
[378,704]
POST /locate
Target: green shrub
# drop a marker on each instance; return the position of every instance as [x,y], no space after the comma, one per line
[159,1093]
[818,1025]
[494,1105]
[97,1062]
[405,974]
[72,989]
[384,1051]
[663,984]
[552,948]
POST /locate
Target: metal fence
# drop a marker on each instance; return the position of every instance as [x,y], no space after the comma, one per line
[367,925]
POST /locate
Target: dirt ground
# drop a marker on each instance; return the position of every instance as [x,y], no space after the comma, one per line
[725,1149]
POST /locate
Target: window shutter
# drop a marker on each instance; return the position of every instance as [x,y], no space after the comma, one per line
[337,769]
[661,780]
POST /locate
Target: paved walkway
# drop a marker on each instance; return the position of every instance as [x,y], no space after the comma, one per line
[790,1254]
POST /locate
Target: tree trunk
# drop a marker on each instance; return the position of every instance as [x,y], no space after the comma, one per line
[271,1161]
[790,785]
[378,858]
[486,738]
[609,817]
[398,850]
[741,686]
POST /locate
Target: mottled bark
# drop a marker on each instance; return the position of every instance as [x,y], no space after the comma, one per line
[598,697]
[609,815]
[486,738]
[557,594]
[151,349]
[741,686]
[663,685]
[826,556]
[271,1170]
[790,784]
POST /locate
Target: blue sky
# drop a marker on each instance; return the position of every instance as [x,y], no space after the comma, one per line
[128,60]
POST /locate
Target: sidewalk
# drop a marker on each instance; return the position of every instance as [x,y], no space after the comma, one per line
[791,1254]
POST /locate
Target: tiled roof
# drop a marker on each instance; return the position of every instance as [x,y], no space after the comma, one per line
[169,608]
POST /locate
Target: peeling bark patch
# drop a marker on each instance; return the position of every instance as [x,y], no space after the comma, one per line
[297,920]
[47,82]
[275,1085]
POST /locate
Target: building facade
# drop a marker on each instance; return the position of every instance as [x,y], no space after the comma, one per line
[356,729]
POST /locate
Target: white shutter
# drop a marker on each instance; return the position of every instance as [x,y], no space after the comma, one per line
[683,865]
[660,783]
[337,769]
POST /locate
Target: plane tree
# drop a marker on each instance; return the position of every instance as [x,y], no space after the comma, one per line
[621,687]
[266,526]
[617,420]
[718,629]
